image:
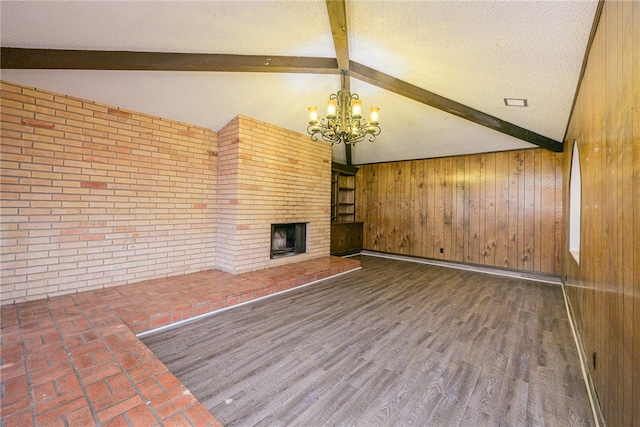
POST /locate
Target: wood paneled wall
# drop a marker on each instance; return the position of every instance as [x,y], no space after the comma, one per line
[604,289]
[497,209]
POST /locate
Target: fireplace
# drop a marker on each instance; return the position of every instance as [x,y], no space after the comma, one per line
[288,239]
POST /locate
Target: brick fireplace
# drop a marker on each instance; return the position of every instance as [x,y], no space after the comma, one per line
[268,175]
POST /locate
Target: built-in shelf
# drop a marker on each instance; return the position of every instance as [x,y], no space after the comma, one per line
[346,233]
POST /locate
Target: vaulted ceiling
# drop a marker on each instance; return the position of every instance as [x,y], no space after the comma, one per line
[438,70]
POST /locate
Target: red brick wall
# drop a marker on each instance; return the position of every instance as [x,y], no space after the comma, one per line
[269,175]
[95,196]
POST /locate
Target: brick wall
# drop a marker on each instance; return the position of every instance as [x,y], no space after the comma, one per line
[95,196]
[269,175]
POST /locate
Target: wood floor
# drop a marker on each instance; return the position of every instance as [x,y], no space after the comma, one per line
[395,343]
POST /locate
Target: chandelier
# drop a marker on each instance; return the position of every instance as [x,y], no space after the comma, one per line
[344,122]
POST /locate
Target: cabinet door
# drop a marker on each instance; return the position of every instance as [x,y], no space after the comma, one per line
[354,237]
[338,239]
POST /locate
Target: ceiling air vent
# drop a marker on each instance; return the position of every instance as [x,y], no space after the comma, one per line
[515,102]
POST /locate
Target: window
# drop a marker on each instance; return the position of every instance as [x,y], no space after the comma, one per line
[575,204]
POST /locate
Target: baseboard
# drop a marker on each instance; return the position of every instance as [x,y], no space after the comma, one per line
[582,355]
[538,277]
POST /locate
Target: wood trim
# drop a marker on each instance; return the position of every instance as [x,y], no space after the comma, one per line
[57,59]
[431,99]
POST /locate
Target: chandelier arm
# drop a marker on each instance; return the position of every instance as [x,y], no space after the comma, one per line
[314,135]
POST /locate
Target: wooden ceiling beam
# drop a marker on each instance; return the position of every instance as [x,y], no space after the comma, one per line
[337,12]
[58,59]
[385,81]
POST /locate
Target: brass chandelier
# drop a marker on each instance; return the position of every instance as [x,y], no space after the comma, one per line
[344,122]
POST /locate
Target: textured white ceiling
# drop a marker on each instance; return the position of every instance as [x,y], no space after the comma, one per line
[473,52]
[296,28]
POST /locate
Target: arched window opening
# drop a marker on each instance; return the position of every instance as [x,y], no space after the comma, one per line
[575,204]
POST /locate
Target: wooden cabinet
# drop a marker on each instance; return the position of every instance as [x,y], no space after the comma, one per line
[346,238]
[346,234]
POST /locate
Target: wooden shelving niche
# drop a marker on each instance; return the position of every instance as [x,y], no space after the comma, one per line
[346,233]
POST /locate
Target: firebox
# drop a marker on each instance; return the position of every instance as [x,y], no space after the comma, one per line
[288,239]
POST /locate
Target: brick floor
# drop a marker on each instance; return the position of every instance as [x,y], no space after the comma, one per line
[75,359]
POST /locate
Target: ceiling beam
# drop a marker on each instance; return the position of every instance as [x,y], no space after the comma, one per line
[58,59]
[337,11]
[385,81]
[338,22]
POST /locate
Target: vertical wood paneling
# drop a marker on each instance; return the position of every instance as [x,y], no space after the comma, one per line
[515,164]
[478,208]
[430,205]
[481,207]
[405,210]
[362,214]
[422,194]
[608,210]
[634,293]
[528,211]
[604,288]
[438,201]
[375,206]
[396,216]
[489,209]
[547,219]
[502,210]
[447,243]
[537,226]
[388,208]
[368,177]
[521,209]
[559,219]
[474,210]
[416,205]
[460,211]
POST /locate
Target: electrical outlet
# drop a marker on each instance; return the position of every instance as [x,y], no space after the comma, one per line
[441,250]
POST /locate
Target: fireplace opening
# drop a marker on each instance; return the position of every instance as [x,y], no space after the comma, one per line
[288,239]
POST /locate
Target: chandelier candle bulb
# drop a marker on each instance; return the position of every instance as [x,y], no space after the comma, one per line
[373,115]
[313,115]
[356,108]
[332,107]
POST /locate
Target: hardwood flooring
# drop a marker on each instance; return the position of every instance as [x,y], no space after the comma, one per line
[396,343]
